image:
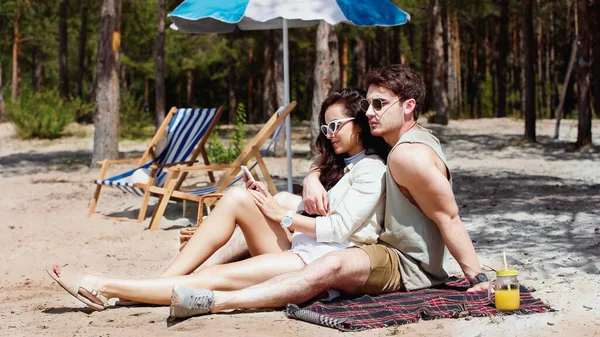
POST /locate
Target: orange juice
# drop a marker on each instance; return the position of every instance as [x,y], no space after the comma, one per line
[507,299]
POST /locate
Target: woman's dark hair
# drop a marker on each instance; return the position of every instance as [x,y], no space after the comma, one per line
[332,164]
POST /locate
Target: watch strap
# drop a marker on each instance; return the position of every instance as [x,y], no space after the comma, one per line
[479,278]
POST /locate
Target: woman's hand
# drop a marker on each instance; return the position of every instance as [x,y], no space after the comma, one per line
[266,203]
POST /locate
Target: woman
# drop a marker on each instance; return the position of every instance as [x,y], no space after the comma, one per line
[352,170]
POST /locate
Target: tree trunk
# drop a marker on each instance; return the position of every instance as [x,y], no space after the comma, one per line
[279,149]
[344,61]
[83,31]
[439,84]
[426,62]
[584,37]
[566,86]
[321,79]
[3,116]
[159,66]
[515,71]
[528,49]
[106,118]
[63,65]
[231,92]
[396,54]
[269,91]
[249,103]
[596,58]
[335,78]
[487,50]
[37,74]
[146,95]
[570,103]
[502,48]
[553,76]
[541,92]
[123,76]
[91,79]
[453,48]
[523,84]
[190,85]
[15,85]
[360,55]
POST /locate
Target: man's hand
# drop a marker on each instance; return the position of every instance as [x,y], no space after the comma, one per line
[479,287]
[314,196]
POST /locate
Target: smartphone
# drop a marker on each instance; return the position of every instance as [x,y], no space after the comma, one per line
[247,173]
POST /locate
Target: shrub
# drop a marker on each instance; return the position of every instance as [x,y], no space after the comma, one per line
[134,122]
[217,152]
[43,114]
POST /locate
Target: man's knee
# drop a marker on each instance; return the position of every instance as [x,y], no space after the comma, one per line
[325,272]
[282,197]
[345,269]
[287,200]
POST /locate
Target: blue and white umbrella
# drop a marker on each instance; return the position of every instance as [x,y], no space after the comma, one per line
[222,16]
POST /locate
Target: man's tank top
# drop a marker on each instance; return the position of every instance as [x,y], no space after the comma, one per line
[416,238]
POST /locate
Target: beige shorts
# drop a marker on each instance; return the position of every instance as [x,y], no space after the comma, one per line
[384,276]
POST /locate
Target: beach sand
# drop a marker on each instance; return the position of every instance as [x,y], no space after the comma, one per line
[540,203]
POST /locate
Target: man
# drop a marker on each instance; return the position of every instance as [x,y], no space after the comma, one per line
[421,219]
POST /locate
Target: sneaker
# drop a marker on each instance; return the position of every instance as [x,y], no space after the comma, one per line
[187,302]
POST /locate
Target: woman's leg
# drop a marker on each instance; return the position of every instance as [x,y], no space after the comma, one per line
[237,206]
[233,276]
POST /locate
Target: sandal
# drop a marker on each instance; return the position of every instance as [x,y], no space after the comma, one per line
[70,281]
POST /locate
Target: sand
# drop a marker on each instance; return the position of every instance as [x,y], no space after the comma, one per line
[538,202]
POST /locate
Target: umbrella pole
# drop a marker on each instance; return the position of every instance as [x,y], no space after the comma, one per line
[286,86]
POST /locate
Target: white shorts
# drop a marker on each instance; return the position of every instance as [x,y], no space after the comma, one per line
[309,249]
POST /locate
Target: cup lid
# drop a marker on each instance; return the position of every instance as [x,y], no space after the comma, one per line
[506,272]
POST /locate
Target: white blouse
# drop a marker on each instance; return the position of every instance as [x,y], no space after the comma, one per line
[356,204]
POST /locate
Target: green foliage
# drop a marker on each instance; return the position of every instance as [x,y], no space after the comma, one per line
[134,122]
[219,153]
[487,97]
[43,114]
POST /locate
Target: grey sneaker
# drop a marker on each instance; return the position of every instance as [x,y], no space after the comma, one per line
[187,302]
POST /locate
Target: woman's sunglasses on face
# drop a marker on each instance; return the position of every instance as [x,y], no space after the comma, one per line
[377,104]
[333,126]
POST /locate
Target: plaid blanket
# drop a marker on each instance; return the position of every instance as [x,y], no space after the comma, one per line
[448,301]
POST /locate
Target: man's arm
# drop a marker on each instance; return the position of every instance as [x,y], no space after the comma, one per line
[416,168]
[314,195]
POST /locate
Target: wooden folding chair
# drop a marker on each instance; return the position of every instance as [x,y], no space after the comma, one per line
[187,131]
[232,171]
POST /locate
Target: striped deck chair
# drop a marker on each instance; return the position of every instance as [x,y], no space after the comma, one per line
[187,132]
[232,174]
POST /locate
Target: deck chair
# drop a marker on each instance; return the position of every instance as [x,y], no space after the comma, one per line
[232,174]
[187,131]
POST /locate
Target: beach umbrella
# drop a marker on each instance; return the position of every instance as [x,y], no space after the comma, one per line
[222,16]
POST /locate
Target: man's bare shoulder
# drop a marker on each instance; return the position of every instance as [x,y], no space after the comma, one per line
[409,157]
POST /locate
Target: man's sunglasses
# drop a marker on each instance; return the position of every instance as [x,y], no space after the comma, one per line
[334,126]
[376,102]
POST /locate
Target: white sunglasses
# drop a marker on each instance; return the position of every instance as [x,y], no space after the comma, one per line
[333,126]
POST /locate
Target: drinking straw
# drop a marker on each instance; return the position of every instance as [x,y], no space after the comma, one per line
[505,265]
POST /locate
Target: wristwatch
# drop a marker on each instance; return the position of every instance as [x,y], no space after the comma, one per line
[479,278]
[286,222]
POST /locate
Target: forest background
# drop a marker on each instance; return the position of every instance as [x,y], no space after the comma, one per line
[115,63]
